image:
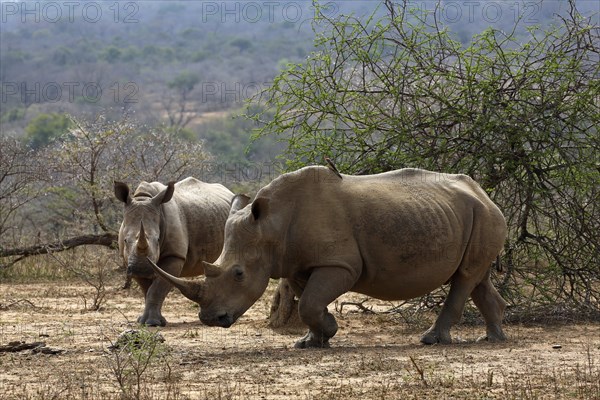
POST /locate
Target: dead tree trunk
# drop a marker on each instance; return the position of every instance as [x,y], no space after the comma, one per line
[284,309]
[106,239]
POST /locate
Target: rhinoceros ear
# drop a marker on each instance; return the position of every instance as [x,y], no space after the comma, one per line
[260,207]
[165,195]
[238,202]
[190,289]
[122,192]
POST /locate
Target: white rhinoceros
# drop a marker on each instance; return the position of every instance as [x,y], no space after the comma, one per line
[177,226]
[392,236]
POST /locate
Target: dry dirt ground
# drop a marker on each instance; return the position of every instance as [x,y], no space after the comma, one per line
[373,356]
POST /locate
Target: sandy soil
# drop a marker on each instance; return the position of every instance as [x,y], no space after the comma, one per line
[373,356]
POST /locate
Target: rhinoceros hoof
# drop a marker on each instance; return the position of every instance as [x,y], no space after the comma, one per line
[433,337]
[152,321]
[491,338]
[309,341]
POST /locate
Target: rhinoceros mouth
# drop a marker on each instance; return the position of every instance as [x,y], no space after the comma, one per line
[140,270]
[223,320]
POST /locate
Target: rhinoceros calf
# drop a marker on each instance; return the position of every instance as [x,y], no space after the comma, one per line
[392,236]
[177,226]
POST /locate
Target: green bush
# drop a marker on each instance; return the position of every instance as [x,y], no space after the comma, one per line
[13,115]
[44,128]
[111,54]
[517,112]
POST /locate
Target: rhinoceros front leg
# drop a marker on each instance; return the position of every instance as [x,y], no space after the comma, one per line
[324,286]
[156,292]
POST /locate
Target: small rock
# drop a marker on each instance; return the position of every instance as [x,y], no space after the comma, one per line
[556,346]
[47,350]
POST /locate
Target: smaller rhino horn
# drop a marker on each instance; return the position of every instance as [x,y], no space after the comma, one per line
[211,270]
[142,243]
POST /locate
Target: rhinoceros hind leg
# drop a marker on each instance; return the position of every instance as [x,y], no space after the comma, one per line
[460,288]
[432,336]
[492,339]
[492,306]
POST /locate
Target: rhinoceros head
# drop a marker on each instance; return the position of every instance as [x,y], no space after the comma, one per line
[241,273]
[139,236]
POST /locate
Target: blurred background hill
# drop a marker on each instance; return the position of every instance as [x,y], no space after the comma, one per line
[186,65]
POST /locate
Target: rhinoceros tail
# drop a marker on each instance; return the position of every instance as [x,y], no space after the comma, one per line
[498,263]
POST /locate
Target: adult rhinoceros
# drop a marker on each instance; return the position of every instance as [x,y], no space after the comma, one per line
[392,236]
[177,226]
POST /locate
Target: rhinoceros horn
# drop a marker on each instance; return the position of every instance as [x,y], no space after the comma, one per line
[190,289]
[211,270]
[142,243]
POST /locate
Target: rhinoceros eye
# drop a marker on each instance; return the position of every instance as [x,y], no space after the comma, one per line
[238,273]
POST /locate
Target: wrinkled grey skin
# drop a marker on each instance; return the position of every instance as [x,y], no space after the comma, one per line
[176,226]
[391,236]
